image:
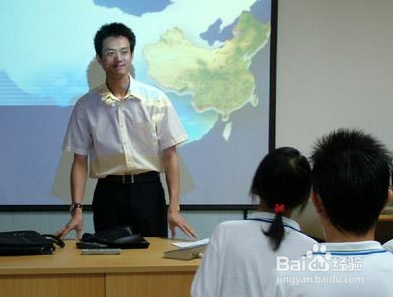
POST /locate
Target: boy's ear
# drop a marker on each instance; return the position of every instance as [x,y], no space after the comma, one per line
[316,200]
[389,198]
[98,59]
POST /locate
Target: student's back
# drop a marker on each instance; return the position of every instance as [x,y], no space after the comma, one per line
[350,177]
[240,257]
[358,269]
[242,253]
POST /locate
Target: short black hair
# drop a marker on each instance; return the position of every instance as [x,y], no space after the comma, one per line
[115,30]
[351,173]
[283,177]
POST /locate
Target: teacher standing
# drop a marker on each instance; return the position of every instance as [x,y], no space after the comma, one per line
[128,131]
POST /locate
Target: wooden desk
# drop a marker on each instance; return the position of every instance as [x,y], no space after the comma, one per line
[135,272]
[386,217]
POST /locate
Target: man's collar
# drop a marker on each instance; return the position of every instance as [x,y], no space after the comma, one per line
[133,92]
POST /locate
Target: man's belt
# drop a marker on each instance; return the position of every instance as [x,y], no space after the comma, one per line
[147,177]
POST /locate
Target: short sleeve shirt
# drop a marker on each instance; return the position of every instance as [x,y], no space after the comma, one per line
[344,269]
[123,136]
[239,257]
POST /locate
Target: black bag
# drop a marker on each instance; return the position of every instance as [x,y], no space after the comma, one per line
[27,243]
[117,237]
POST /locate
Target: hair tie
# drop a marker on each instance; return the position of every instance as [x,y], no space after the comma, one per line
[279,208]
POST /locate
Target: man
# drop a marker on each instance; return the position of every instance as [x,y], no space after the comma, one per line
[129,131]
[350,177]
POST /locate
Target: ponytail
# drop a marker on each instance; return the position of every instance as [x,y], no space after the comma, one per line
[276,230]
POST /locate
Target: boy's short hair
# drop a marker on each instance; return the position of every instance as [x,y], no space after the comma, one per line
[115,30]
[351,171]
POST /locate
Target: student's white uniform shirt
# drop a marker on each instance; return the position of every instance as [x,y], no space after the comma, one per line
[123,136]
[240,256]
[358,269]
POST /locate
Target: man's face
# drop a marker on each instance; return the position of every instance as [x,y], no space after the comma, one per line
[116,57]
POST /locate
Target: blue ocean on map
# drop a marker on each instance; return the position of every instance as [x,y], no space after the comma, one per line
[135,7]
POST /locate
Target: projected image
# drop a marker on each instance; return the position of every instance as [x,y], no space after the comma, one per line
[212,58]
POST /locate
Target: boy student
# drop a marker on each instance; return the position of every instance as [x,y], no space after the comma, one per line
[241,253]
[350,178]
[129,131]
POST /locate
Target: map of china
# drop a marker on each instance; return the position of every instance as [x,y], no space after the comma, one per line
[218,79]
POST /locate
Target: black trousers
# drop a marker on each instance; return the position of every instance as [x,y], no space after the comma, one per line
[140,204]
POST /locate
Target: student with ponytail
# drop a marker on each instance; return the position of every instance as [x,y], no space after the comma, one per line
[241,254]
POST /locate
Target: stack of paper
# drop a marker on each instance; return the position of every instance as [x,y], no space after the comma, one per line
[186,244]
[187,250]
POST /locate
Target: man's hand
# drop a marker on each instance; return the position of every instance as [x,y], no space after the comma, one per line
[75,223]
[78,183]
[171,165]
[175,219]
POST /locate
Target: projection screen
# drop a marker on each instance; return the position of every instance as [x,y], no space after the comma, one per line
[227,106]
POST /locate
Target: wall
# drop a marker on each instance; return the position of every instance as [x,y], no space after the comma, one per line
[334,69]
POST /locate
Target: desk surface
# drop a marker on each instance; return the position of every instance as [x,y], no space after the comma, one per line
[69,260]
[386,217]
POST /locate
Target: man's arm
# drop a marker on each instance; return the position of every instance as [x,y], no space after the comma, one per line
[78,183]
[175,219]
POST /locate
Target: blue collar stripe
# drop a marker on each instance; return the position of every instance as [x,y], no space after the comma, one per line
[353,253]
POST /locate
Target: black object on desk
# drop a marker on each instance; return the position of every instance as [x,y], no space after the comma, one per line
[117,237]
[28,243]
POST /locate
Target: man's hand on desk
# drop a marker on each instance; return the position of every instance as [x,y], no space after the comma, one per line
[75,223]
[175,219]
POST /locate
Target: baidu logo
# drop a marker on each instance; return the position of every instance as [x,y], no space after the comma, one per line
[312,261]
[318,260]
[319,263]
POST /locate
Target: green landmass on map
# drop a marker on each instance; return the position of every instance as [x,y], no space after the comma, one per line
[218,79]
